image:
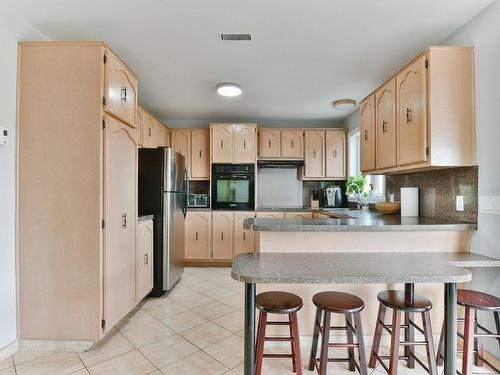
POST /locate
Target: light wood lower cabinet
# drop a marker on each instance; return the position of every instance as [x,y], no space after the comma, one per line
[244,241]
[222,236]
[299,215]
[198,235]
[144,258]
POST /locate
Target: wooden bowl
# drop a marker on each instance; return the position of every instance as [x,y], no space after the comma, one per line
[388,208]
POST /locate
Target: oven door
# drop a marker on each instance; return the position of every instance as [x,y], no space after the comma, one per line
[233,192]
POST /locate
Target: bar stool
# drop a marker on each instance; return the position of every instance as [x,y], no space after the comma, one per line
[395,300]
[473,301]
[278,303]
[328,303]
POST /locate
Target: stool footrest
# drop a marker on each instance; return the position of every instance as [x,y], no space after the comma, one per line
[276,355]
[342,345]
[278,338]
[278,323]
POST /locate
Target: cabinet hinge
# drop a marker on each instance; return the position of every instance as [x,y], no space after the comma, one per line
[103,124]
[103,323]
[104,59]
[427,151]
[426,63]
[103,224]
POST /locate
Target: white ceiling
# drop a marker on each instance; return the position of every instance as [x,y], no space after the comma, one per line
[304,54]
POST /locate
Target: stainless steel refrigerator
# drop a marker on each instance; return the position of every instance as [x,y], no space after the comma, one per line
[163,193]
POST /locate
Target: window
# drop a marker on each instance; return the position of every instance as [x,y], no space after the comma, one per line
[377,181]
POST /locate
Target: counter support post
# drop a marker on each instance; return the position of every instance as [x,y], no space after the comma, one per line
[410,331]
[450,328]
[249,356]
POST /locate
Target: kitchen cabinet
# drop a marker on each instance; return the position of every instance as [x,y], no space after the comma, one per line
[317,215]
[292,144]
[335,154]
[181,142]
[144,258]
[139,124]
[166,141]
[269,143]
[367,134]
[233,143]
[299,215]
[244,241]
[160,131]
[386,134]
[222,143]
[198,229]
[314,146]
[222,235]
[77,266]
[200,154]
[120,90]
[424,115]
[148,130]
[245,145]
[271,214]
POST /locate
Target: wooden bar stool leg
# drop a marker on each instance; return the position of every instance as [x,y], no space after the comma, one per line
[295,344]
[291,342]
[361,345]
[497,323]
[396,331]
[324,343]
[440,350]
[478,345]
[350,340]
[431,357]
[409,336]
[377,336]
[314,348]
[468,342]
[259,347]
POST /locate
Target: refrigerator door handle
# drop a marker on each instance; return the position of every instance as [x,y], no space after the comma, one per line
[186,182]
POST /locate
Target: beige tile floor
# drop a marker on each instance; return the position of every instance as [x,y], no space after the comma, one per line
[195,330]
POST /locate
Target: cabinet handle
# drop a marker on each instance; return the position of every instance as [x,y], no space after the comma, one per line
[222,236]
[384,126]
[149,132]
[244,144]
[221,143]
[124,220]
[366,135]
[335,153]
[146,258]
[292,143]
[269,142]
[123,94]
[409,114]
[314,153]
[244,239]
[196,236]
[200,154]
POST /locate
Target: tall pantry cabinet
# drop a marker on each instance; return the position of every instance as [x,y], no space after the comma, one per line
[77,191]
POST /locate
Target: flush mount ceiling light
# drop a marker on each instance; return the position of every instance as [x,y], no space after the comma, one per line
[344,104]
[229,89]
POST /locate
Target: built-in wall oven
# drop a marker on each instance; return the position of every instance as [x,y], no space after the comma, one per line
[233,187]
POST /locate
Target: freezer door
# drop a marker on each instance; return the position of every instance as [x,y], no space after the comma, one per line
[175,171]
[173,238]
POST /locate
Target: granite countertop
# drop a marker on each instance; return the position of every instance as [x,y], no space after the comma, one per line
[145,218]
[349,268]
[356,221]
[301,209]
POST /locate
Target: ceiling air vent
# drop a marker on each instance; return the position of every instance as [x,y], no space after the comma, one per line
[235,37]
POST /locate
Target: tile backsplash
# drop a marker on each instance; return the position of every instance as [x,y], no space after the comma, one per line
[438,190]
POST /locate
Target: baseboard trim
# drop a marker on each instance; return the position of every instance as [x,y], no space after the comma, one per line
[74,346]
[9,350]
[195,263]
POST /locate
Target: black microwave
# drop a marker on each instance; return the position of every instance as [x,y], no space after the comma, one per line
[233,187]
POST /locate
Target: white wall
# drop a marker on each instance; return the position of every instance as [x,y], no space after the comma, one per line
[263,123]
[12,30]
[483,33]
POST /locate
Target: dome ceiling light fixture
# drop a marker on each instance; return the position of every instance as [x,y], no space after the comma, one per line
[229,89]
[344,104]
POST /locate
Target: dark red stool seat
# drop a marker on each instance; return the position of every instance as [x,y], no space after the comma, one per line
[278,302]
[477,300]
[395,299]
[338,302]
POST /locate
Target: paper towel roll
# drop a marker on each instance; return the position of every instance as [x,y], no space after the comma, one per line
[409,201]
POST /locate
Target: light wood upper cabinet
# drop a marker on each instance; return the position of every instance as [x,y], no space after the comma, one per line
[222,235]
[412,112]
[159,134]
[245,148]
[269,143]
[144,258]
[200,154]
[222,143]
[120,165]
[120,90]
[181,142]
[314,143]
[139,124]
[198,230]
[166,140]
[335,154]
[367,134]
[292,144]
[385,114]
[148,131]
[244,241]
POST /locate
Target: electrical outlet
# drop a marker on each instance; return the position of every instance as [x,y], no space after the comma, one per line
[3,136]
[460,203]
[489,204]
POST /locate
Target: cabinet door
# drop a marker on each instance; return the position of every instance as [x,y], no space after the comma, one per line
[120,91]
[244,241]
[166,140]
[245,148]
[181,142]
[222,236]
[120,215]
[269,143]
[335,154]
[385,114]
[198,233]
[367,134]
[298,215]
[144,258]
[222,143]
[271,214]
[314,141]
[412,112]
[200,153]
[292,144]
[139,125]
[148,130]
[159,134]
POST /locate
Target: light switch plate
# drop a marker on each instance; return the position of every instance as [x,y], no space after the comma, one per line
[489,204]
[3,136]
[460,203]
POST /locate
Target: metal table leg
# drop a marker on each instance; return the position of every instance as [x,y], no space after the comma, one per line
[410,331]
[249,356]
[450,326]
